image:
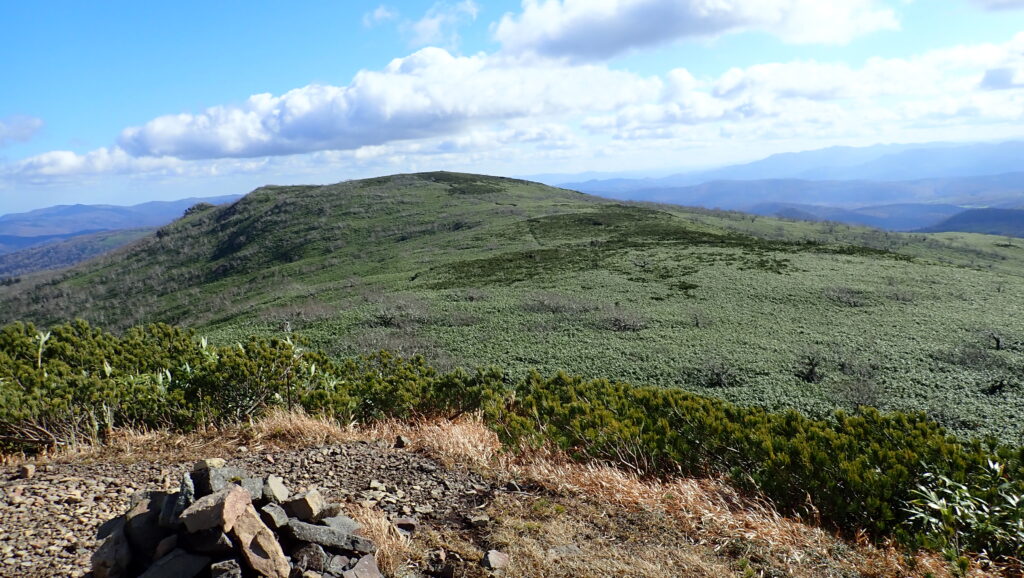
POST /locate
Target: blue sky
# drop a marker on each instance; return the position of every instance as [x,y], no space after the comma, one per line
[124,102]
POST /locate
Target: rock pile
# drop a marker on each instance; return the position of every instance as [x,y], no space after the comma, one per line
[225,523]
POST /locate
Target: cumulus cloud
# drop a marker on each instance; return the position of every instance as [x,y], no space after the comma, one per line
[429,93]
[439,26]
[600,29]
[18,129]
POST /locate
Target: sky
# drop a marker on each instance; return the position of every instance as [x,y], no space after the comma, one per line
[124,102]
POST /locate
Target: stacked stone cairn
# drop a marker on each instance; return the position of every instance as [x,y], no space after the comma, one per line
[224,523]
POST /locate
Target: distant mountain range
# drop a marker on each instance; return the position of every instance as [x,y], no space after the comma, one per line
[894,187]
[63,235]
[988,221]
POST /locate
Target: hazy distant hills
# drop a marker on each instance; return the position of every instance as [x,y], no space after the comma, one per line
[987,221]
[69,219]
[63,235]
[894,162]
[894,187]
[57,255]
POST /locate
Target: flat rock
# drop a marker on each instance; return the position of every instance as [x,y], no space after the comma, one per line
[342,523]
[220,509]
[210,480]
[329,537]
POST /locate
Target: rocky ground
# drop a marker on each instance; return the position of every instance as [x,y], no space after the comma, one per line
[50,520]
[553,518]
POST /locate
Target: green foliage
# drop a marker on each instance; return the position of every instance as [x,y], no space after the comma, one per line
[892,474]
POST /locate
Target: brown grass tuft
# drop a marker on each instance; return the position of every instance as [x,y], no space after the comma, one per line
[394,551]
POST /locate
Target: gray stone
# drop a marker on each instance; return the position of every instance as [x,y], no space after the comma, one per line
[186,494]
[112,558]
[274,516]
[142,525]
[27,471]
[229,568]
[342,523]
[274,490]
[210,480]
[169,512]
[258,545]
[405,525]
[177,564]
[402,442]
[329,537]
[495,560]
[306,507]
[310,557]
[479,520]
[208,541]
[216,510]
[338,564]
[366,567]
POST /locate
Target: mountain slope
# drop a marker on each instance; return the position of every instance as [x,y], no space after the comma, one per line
[1008,222]
[472,270]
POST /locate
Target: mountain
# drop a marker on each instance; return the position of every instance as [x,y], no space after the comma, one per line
[1009,222]
[1005,189]
[57,255]
[70,219]
[891,162]
[901,217]
[473,271]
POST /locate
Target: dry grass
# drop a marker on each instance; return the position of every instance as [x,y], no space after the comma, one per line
[704,512]
[394,551]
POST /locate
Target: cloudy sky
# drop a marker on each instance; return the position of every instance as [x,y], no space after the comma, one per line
[123,102]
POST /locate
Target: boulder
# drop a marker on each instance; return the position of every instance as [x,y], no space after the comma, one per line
[274,516]
[220,509]
[210,480]
[142,525]
[274,490]
[209,541]
[306,507]
[258,545]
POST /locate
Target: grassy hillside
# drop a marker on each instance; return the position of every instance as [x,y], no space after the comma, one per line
[470,270]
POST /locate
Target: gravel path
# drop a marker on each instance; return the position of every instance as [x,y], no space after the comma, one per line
[48,522]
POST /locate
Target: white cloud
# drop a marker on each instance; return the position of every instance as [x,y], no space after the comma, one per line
[18,128]
[600,29]
[439,26]
[999,4]
[429,93]
[379,15]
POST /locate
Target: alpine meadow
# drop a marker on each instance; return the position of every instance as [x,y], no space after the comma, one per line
[554,288]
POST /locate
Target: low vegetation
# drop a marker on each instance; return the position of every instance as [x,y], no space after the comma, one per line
[865,471]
